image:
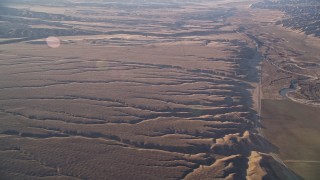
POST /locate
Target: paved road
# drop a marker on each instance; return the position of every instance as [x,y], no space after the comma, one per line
[301,161]
[258,124]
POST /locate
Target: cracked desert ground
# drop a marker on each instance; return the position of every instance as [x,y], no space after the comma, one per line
[141,90]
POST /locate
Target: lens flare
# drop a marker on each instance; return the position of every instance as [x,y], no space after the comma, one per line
[53,42]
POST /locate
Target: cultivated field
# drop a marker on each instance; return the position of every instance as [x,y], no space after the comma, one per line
[294,128]
[290,85]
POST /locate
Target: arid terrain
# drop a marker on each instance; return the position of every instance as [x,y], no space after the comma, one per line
[291,85]
[156,89]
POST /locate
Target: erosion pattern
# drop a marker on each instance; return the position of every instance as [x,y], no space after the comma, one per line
[140,90]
